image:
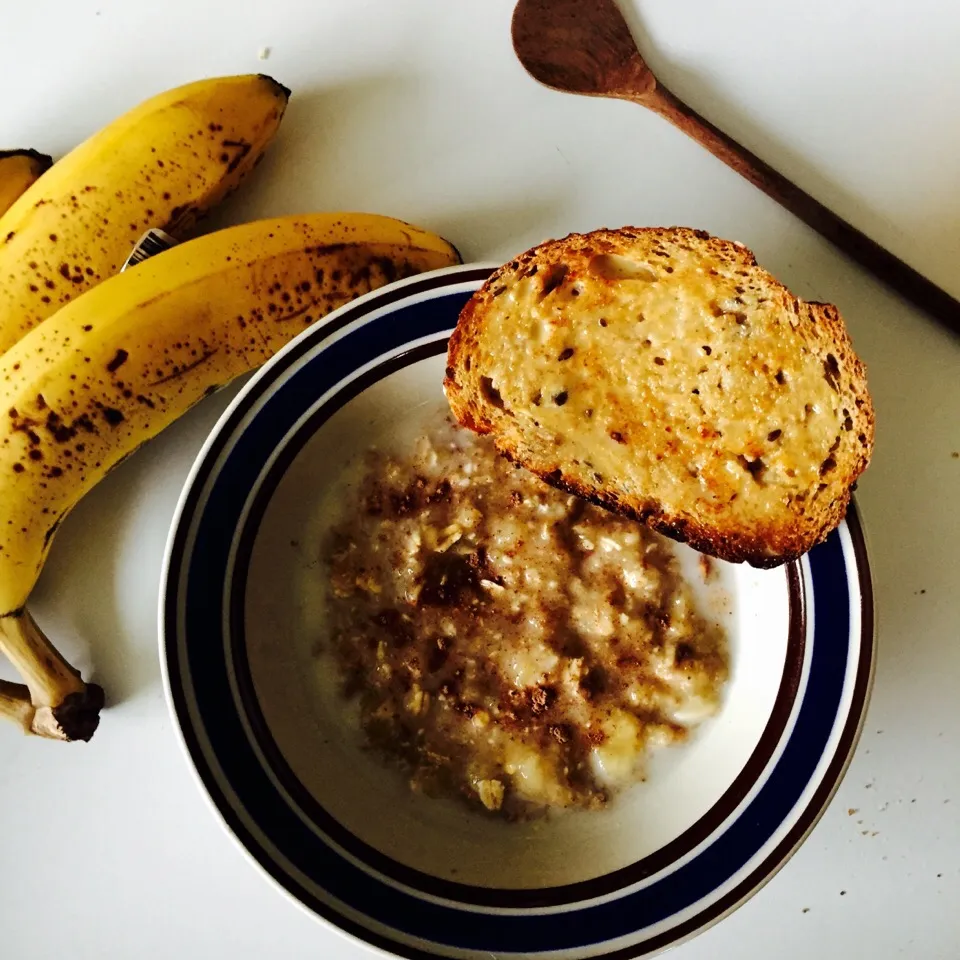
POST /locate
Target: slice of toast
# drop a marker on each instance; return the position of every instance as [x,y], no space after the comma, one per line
[660,372]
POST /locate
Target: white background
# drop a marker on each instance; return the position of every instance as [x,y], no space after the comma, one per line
[418,109]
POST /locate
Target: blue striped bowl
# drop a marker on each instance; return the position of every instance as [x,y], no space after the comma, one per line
[425,878]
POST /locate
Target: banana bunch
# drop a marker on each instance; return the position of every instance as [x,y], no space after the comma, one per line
[113,367]
[19,169]
[161,165]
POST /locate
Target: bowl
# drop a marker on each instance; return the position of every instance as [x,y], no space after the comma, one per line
[242,609]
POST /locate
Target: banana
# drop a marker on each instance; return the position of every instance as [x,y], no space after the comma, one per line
[114,367]
[163,164]
[19,169]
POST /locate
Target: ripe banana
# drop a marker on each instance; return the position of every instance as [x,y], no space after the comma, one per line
[19,169]
[117,365]
[161,165]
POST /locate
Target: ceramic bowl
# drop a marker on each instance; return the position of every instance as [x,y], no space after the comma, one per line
[241,613]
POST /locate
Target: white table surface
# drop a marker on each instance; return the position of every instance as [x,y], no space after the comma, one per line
[418,109]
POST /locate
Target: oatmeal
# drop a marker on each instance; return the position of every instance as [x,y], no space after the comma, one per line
[508,642]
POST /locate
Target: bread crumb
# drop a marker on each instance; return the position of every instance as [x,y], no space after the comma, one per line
[263,53]
[852,811]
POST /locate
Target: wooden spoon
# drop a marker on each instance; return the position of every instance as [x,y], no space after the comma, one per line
[585,46]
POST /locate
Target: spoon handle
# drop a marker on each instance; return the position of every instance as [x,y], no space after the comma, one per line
[901,277]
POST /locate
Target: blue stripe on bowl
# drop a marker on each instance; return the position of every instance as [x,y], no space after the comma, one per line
[206,670]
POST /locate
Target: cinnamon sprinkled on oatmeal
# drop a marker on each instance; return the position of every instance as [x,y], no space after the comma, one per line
[507,642]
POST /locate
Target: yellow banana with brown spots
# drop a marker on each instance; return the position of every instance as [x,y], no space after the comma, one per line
[162,165]
[117,365]
[19,169]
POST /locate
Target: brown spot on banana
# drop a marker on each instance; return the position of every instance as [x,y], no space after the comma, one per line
[119,359]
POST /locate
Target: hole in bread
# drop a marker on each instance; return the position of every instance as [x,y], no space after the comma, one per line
[668,269]
[490,393]
[613,266]
[588,413]
[575,290]
[647,342]
[552,279]
[560,398]
[827,465]
[740,318]
[780,377]
[707,350]
[831,372]
[566,354]
[468,363]
[617,436]
[774,435]
[536,398]
[602,321]
[659,361]
[756,468]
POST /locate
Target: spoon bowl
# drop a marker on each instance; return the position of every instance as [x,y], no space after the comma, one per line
[593,55]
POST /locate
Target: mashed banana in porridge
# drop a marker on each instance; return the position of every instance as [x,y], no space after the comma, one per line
[507,642]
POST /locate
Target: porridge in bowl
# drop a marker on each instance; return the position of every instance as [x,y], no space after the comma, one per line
[507,642]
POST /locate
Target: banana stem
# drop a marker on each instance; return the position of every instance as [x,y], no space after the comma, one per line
[49,677]
[65,708]
[15,704]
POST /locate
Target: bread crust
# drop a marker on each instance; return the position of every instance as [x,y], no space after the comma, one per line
[813,327]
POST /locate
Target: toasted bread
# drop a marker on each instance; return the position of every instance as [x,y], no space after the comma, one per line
[661,373]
